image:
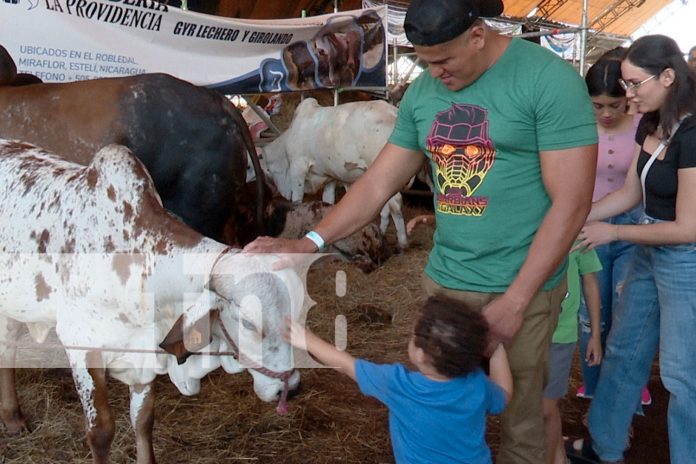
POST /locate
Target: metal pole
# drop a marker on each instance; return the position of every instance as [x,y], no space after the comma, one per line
[335,90]
[567,30]
[414,63]
[395,62]
[303,14]
[583,36]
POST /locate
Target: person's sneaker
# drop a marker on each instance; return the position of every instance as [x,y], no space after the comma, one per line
[581,393]
[645,398]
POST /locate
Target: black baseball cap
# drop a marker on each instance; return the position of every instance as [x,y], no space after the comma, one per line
[432,22]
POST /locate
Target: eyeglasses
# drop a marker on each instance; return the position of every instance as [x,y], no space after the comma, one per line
[628,85]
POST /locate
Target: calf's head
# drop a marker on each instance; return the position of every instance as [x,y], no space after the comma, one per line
[243,312]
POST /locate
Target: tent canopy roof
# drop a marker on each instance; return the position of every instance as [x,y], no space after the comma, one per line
[618,17]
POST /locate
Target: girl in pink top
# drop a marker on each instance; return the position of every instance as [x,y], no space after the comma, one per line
[616,150]
[617,132]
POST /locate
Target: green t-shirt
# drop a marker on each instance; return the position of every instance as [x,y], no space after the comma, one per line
[579,264]
[483,142]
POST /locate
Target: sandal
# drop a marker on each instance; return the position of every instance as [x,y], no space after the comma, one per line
[581,452]
[584,420]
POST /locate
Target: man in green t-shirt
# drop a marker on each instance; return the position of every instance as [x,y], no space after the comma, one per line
[510,133]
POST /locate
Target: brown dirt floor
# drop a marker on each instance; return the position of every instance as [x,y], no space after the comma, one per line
[329,420]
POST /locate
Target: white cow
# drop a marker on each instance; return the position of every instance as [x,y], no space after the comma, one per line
[91,252]
[328,145]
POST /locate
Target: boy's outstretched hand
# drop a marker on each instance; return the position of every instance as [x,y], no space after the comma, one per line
[303,338]
[296,334]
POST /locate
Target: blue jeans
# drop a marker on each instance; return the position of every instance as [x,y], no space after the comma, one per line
[658,305]
[615,258]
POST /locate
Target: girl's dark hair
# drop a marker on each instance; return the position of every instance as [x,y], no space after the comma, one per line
[616,53]
[603,78]
[453,335]
[654,54]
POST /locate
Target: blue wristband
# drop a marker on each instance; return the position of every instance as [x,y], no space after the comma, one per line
[316,238]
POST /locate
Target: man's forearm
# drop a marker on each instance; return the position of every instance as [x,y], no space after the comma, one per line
[549,248]
[571,201]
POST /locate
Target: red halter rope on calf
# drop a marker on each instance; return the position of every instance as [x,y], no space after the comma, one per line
[282,408]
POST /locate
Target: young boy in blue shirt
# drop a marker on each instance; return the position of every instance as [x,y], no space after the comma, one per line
[437,413]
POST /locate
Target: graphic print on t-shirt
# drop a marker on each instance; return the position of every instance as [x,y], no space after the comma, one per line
[462,153]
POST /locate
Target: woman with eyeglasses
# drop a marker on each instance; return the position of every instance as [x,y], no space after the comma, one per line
[616,147]
[658,302]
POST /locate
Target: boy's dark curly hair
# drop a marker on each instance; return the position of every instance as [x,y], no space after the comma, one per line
[452,334]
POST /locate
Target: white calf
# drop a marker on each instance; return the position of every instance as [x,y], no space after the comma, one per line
[328,145]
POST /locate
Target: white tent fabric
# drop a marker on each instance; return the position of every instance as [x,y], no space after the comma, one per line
[395,22]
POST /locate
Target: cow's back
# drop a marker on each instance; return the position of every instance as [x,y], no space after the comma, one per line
[345,139]
[191,139]
[50,205]
[76,238]
[63,118]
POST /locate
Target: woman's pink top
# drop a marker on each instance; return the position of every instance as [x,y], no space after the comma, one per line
[615,153]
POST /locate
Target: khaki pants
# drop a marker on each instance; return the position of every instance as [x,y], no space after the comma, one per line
[522,422]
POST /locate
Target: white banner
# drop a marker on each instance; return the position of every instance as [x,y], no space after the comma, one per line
[68,40]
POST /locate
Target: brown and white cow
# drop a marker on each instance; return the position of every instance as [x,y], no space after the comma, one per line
[193,141]
[328,145]
[91,252]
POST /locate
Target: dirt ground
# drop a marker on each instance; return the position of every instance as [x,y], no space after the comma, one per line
[329,421]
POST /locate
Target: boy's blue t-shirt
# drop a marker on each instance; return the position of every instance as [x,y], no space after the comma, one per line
[430,421]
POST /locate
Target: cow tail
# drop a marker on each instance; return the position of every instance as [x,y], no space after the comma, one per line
[260,177]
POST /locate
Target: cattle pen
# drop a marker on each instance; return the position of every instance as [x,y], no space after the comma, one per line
[329,420]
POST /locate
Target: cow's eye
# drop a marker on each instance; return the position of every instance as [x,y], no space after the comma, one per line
[249,325]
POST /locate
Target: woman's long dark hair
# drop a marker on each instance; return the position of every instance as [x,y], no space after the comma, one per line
[654,54]
[603,77]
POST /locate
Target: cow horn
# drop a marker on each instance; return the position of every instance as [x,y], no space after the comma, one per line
[183,342]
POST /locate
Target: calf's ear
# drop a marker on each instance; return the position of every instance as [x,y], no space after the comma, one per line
[186,338]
